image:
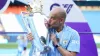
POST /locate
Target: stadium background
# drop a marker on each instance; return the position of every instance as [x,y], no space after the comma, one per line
[90,9]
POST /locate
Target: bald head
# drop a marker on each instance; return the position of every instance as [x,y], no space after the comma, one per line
[58,12]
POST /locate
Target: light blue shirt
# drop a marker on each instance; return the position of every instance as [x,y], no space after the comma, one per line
[69,39]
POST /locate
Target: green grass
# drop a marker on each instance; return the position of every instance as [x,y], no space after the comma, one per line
[11,46]
[15,45]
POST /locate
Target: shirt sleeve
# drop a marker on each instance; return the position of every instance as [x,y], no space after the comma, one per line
[74,44]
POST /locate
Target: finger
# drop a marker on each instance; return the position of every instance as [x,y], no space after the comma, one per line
[30,39]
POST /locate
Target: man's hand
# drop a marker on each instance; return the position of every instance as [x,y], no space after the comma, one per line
[30,37]
[54,39]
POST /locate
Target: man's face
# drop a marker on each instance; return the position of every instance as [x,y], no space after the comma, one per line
[54,21]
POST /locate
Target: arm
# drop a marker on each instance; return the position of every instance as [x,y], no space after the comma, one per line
[65,52]
[72,48]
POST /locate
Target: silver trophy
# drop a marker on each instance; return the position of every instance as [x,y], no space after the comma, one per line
[29,19]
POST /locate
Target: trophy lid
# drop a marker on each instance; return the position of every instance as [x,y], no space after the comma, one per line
[36,6]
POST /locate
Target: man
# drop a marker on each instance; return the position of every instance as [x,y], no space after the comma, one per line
[65,41]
